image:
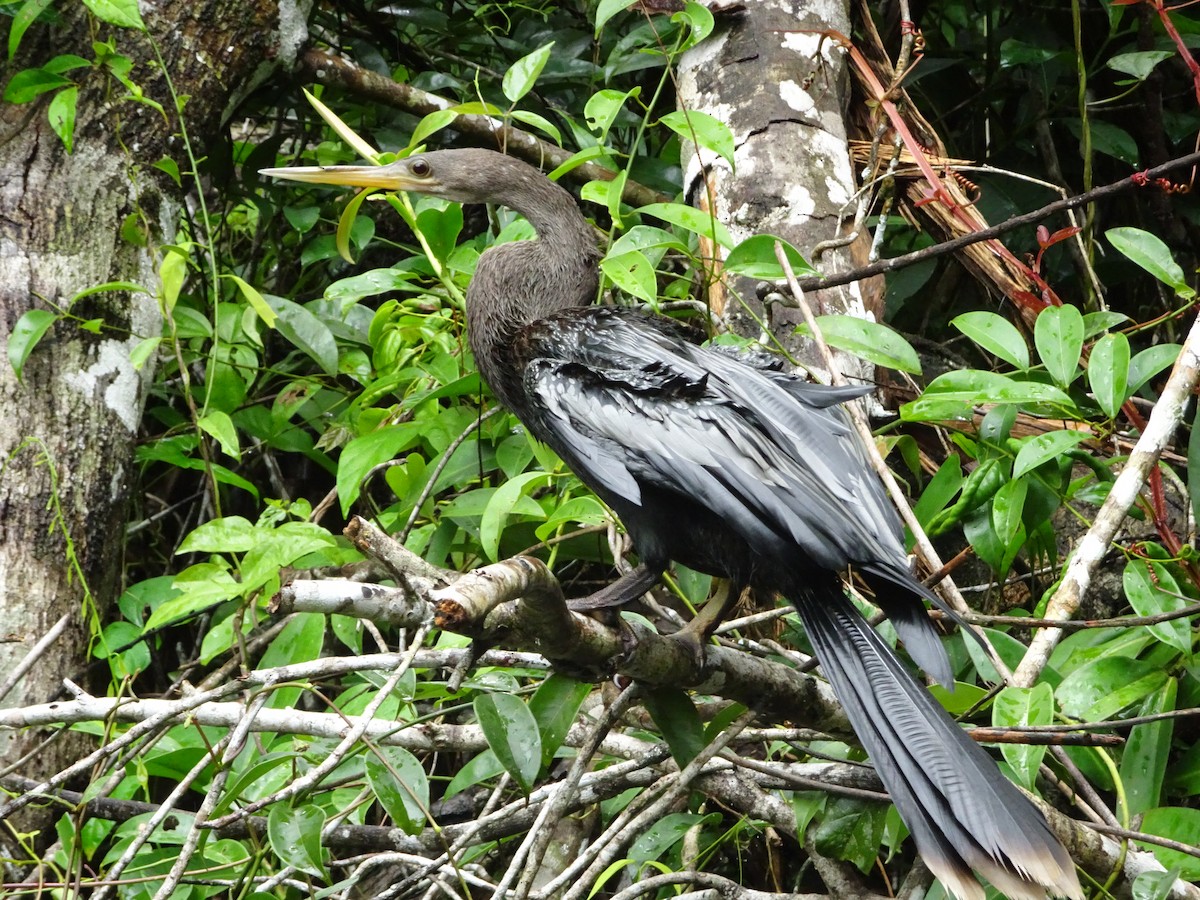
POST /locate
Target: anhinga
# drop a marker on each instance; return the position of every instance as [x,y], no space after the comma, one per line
[739,472]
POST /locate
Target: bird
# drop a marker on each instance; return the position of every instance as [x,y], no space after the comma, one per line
[739,471]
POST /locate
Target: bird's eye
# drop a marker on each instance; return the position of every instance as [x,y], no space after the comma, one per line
[420,168]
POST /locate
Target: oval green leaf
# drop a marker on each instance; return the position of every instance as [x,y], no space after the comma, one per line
[512,734]
[869,340]
[1058,334]
[995,334]
[1108,372]
[755,258]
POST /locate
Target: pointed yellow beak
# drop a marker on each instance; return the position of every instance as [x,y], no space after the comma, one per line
[392,177]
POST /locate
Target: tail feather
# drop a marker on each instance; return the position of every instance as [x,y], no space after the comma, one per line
[963,814]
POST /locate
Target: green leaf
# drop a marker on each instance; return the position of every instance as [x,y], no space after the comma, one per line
[646,237]
[306,332]
[633,273]
[869,340]
[295,836]
[1100,321]
[1058,334]
[1148,363]
[122,13]
[218,425]
[677,718]
[61,114]
[498,509]
[1108,372]
[851,830]
[172,272]
[995,334]
[519,79]
[364,453]
[1144,760]
[1105,686]
[664,833]
[431,124]
[1044,447]
[1180,825]
[1139,64]
[1149,252]
[29,330]
[606,9]
[541,123]
[704,130]
[30,83]
[141,353]
[554,706]
[347,223]
[690,219]
[1020,707]
[1152,591]
[603,107]
[260,306]
[755,258]
[398,780]
[26,16]
[954,394]
[1007,506]
[512,734]
[229,534]
[199,587]
[700,22]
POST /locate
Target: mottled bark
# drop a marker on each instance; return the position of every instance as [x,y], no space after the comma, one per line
[67,431]
[773,74]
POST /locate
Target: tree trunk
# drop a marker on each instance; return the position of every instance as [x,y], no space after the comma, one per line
[774,75]
[68,428]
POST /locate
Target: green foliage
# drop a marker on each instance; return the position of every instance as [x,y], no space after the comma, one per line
[311,366]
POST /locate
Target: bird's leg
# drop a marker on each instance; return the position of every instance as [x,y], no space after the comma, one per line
[695,634]
[624,590]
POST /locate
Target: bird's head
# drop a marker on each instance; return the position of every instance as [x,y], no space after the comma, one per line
[464,176]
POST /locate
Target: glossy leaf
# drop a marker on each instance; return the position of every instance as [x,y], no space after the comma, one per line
[1007,506]
[1177,824]
[1153,255]
[690,219]
[1152,591]
[1058,334]
[218,425]
[676,717]
[362,454]
[295,836]
[554,706]
[632,273]
[1105,686]
[61,113]
[1139,64]
[755,258]
[1149,363]
[122,13]
[1044,447]
[956,393]
[26,16]
[30,83]
[664,833]
[521,75]
[707,132]
[500,506]
[251,295]
[869,340]
[1108,372]
[399,782]
[25,336]
[306,332]
[512,734]
[1020,707]
[995,334]
[1144,760]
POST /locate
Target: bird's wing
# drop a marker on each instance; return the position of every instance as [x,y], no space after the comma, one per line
[631,406]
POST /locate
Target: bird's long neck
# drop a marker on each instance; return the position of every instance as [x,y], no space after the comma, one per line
[519,283]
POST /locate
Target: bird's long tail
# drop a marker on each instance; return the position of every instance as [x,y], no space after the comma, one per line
[962,813]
